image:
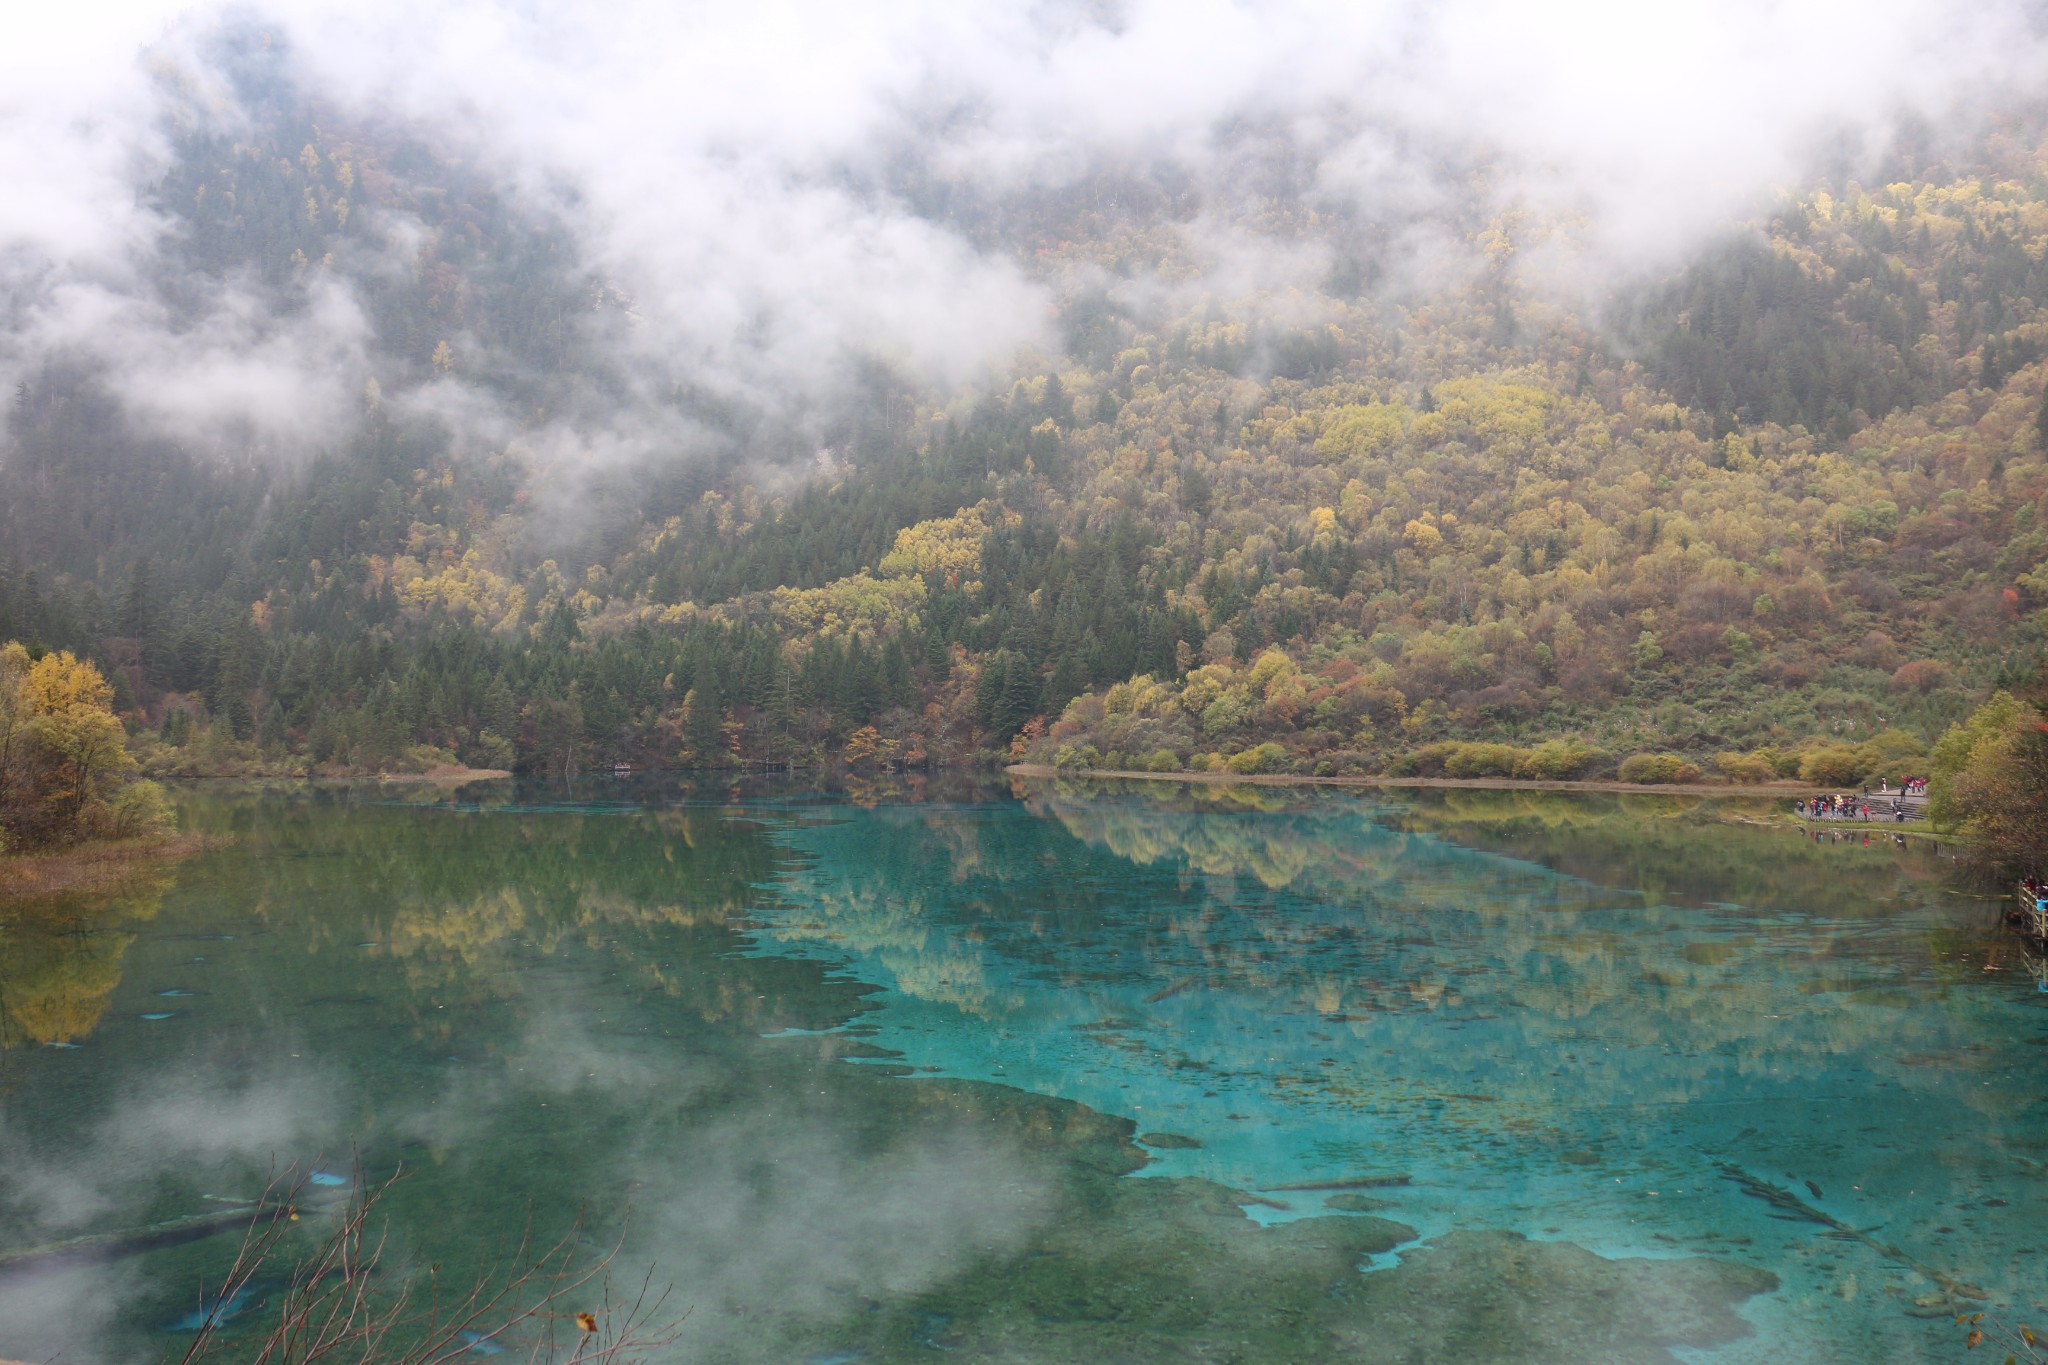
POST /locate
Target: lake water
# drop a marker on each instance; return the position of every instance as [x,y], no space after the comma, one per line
[1058,1072]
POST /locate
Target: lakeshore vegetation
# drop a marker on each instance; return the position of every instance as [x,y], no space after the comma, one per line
[64,764]
[1782,514]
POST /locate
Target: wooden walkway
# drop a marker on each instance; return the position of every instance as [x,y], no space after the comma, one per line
[1884,806]
[2030,916]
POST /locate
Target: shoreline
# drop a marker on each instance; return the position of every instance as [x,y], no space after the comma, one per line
[93,868]
[1788,790]
[440,777]
[436,777]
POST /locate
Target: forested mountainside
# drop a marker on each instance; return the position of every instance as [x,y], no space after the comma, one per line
[1785,506]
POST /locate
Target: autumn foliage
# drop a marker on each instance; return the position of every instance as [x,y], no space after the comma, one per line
[1781,514]
[62,755]
[1990,781]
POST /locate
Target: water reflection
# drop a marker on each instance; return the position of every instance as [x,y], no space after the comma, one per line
[60,958]
[545,1003]
[1554,1014]
[1694,851]
[533,1013]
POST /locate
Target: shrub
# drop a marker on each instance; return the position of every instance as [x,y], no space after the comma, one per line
[1877,650]
[491,750]
[1922,676]
[1658,769]
[137,809]
[1897,744]
[1838,765]
[1427,761]
[421,758]
[1481,760]
[1975,744]
[1991,775]
[1163,761]
[1748,769]
[1784,762]
[1557,761]
[1266,758]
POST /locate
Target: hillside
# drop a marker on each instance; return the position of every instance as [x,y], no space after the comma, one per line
[1786,500]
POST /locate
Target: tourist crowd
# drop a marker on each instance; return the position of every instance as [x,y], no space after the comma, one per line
[1859,807]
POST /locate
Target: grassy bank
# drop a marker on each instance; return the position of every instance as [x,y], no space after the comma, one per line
[94,867]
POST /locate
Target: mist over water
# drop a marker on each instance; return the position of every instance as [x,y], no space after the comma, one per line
[818,1061]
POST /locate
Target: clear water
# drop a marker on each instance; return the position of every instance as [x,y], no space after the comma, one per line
[859,1074]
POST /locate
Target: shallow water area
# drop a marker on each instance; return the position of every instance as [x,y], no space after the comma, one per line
[860,1073]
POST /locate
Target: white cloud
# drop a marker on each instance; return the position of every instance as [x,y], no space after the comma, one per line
[729,169]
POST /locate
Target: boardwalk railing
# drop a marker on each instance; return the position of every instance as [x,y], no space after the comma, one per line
[2033,913]
[1883,806]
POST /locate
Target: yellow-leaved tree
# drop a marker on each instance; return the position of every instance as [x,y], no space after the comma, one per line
[1990,781]
[63,755]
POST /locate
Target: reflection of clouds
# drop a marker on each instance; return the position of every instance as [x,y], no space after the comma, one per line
[62,1313]
[210,1123]
[768,1197]
[219,1114]
[609,1054]
[781,1215]
[44,1193]
[201,1120]
[558,1052]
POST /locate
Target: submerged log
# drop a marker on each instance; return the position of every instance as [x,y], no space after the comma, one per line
[1790,1208]
[1356,1182]
[130,1241]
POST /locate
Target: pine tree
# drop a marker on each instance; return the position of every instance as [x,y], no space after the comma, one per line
[270,735]
[133,622]
[706,705]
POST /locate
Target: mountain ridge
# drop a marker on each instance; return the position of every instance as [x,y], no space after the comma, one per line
[1789,499]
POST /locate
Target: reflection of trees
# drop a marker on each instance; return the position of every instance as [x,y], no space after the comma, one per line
[898,928]
[60,958]
[1558,925]
[458,886]
[1313,843]
[590,971]
[463,897]
[895,903]
[1688,850]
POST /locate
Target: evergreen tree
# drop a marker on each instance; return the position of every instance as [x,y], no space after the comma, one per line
[706,705]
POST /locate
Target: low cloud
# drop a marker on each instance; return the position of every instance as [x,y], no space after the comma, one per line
[774,195]
[218,1120]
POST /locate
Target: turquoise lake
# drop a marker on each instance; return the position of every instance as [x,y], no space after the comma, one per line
[1047,1071]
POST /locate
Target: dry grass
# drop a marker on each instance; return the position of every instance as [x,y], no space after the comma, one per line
[94,868]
